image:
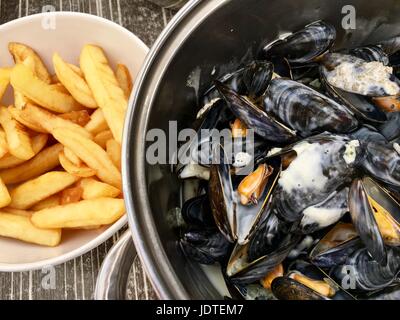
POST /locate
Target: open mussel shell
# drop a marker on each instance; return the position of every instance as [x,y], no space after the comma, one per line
[362,273]
[376,216]
[306,110]
[356,75]
[248,217]
[305,281]
[363,108]
[304,45]
[335,246]
[221,194]
[254,118]
[243,270]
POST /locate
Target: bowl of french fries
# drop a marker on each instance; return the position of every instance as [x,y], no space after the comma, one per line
[65,83]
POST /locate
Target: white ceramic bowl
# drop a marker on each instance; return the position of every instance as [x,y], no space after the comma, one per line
[65,33]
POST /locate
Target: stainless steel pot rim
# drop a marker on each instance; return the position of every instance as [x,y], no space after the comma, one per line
[145,236]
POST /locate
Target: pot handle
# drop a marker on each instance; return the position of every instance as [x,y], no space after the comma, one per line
[114,272]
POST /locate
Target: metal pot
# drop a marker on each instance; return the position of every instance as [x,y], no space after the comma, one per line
[204,35]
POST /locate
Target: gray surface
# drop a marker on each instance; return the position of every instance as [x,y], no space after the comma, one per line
[76,279]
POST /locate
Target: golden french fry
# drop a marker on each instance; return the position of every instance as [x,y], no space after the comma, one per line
[71,195]
[17,114]
[43,162]
[21,52]
[33,191]
[113,149]
[97,122]
[124,79]
[21,228]
[90,153]
[49,121]
[3,144]
[18,212]
[72,157]
[18,140]
[84,213]
[20,100]
[75,84]
[54,79]
[5,198]
[38,143]
[49,202]
[93,189]
[102,138]
[76,69]
[45,95]
[4,80]
[78,171]
[104,85]
[81,117]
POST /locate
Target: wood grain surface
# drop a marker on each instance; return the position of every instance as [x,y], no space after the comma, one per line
[76,279]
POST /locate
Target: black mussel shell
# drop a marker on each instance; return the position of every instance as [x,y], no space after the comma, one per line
[305,45]
[306,110]
[206,246]
[389,293]
[391,128]
[257,76]
[197,212]
[371,53]
[362,273]
[254,118]
[368,133]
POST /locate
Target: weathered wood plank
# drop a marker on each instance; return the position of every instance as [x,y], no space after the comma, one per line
[76,279]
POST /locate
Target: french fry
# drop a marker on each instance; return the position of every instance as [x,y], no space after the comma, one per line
[78,171]
[4,80]
[5,198]
[79,117]
[49,121]
[21,228]
[93,189]
[77,70]
[33,191]
[85,213]
[21,52]
[113,149]
[90,153]
[43,162]
[38,143]
[124,79]
[54,79]
[104,85]
[3,144]
[71,195]
[72,157]
[17,114]
[102,138]
[97,122]
[75,84]
[43,94]
[18,140]
[49,202]
[18,212]
[20,100]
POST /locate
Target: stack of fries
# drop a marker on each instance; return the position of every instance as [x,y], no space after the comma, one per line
[60,144]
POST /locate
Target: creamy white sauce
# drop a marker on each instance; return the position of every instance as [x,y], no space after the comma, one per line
[351,151]
[361,77]
[193,80]
[242,159]
[322,216]
[193,170]
[304,245]
[306,173]
[273,152]
[206,107]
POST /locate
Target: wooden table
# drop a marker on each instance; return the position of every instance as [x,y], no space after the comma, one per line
[76,279]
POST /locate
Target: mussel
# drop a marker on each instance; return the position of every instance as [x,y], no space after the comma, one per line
[376,216]
[304,45]
[305,110]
